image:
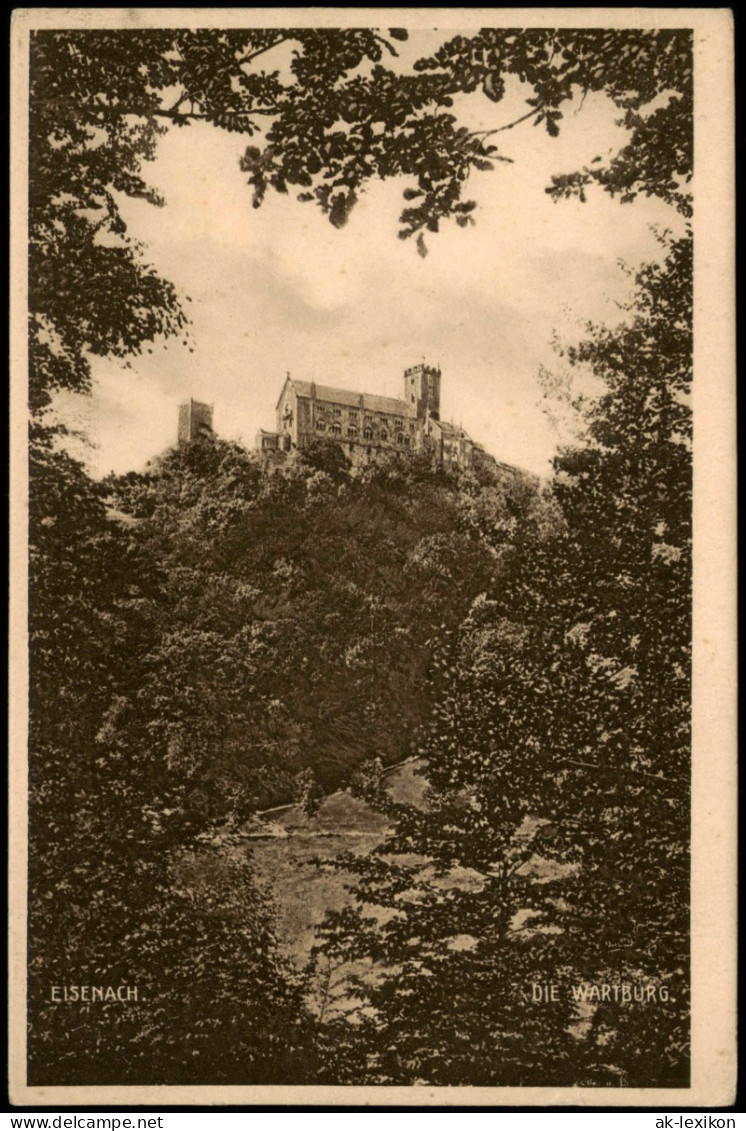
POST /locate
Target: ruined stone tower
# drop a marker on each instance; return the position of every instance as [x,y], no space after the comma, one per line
[195,422]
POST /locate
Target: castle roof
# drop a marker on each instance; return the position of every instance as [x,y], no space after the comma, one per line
[369,402]
[449,429]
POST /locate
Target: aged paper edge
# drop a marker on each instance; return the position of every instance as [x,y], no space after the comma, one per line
[714,771]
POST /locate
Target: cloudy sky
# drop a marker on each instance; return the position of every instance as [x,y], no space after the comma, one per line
[278,290]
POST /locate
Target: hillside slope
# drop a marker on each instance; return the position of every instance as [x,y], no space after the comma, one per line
[299,608]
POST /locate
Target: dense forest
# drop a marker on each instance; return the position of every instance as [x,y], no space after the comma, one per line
[211,636]
[215,634]
[223,635]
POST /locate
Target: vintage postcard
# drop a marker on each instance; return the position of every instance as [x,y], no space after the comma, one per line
[373,574]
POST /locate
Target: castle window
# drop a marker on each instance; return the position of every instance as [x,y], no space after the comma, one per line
[407,440]
[337,411]
[411,427]
[336,428]
[320,426]
[412,398]
[384,434]
[368,434]
[352,432]
[400,438]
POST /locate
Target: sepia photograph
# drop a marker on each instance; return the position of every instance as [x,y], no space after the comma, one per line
[372,707]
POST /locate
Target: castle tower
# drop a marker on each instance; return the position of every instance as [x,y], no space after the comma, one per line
[195,422]
[422,391]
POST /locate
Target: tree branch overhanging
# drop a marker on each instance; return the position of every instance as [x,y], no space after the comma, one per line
[262,51]
[510,125]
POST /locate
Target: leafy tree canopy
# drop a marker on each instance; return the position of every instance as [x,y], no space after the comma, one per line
[208,638]
[327,110]
[560,683]
[553,846]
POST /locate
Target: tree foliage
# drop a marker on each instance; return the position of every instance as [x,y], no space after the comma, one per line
[121,890]
[328,115]
[553,847]
[208,638]
[298,608]
[228,638]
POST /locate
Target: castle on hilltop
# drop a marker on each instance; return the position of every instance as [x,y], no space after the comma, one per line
[365,425]
[368,426]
